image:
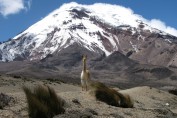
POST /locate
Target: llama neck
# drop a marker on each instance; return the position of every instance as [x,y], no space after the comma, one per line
[84,65]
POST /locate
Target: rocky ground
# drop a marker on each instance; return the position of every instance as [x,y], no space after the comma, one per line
[148,102]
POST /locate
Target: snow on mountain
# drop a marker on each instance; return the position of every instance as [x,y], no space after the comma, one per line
[90,26]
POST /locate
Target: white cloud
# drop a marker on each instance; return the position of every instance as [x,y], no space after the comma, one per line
[156,23]
[171,30]
[29,3]
[8,7]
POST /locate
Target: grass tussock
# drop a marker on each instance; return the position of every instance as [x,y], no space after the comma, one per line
[43,102]
[110,96]
[173,91]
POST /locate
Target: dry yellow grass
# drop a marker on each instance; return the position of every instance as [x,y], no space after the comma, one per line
[110,96]
[43,102]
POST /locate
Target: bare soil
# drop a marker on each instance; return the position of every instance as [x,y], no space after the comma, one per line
[148,102]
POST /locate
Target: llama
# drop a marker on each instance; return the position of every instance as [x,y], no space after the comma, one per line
[85,75]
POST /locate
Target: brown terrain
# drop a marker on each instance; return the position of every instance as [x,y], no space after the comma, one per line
[149,102]
[115,70]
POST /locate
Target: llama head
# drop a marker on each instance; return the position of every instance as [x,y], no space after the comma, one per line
[84,58]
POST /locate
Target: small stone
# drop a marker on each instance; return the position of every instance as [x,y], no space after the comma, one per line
[167,104]
[91,111]
[76,101]
[4,100]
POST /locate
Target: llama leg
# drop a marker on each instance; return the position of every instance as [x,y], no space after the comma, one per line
[86,87]
[82,84]
[82,88]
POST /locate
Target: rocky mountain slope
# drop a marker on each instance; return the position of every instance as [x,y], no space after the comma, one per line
[114,70]
[99,31]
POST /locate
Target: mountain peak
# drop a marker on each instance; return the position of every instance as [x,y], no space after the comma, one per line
[114,28]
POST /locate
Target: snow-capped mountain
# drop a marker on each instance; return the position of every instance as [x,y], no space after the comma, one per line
[98,28]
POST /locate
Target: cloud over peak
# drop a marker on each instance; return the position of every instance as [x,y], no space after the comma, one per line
[156,23]
[128,16]
[8,7]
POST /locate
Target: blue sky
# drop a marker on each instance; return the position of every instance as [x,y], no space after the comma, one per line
[17,15]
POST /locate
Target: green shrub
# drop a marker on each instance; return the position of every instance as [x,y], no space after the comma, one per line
[110,96]
[43,102]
